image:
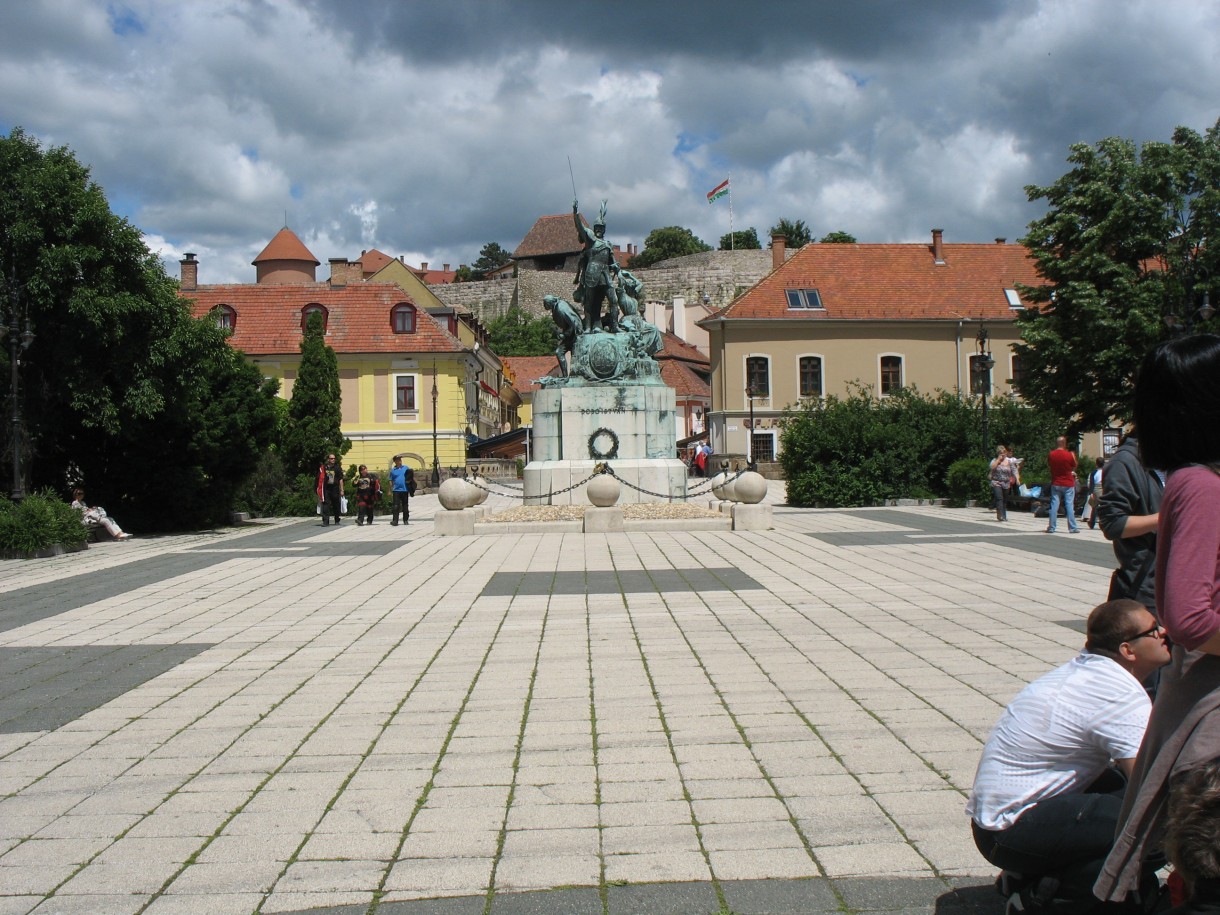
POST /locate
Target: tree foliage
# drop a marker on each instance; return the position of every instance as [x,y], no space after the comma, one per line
[861,450]
[667,242]
[1128,238]
[796,233]
[837,238]
[121,385]
[741,240]
[519,333]
[491,256]
[315,412]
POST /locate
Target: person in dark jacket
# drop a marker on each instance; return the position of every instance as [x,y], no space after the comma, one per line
[1128,512]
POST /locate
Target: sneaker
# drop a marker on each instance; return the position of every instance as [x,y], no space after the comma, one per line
[1073,530]
[1050,530]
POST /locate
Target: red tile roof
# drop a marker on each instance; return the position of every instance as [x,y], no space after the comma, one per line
[527,369]
[674,347]
[373,260]
[684,380]
[286,247]
[866,282]
[550,235]
[358,318]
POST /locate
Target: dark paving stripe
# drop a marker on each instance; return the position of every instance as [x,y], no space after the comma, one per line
[959,896]
[506,584]
[1060,546]
[45,688]
[38,602]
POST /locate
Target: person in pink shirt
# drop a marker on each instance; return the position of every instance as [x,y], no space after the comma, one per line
[1177,410]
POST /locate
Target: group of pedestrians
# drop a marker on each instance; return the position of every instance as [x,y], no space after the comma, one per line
[332,500]
[1103,767]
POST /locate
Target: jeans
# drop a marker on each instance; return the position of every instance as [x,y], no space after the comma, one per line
[1068,495]
[1067,836]
[330,506]
[401,502]
[998,495]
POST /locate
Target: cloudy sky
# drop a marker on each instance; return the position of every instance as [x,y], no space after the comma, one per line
[426,129]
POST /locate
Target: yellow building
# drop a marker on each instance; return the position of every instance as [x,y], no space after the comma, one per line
[408,379]
[885,315]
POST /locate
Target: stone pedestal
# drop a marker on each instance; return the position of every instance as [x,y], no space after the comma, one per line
[603,520]
[752,517]
[453,523]
[629,426]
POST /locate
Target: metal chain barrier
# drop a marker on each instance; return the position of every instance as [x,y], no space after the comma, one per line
[604,467]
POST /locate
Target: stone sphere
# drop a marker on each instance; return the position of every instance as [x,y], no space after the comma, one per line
[729,488]
[750,488]
[480,494]
[718,482]
[454,494]
[603,490]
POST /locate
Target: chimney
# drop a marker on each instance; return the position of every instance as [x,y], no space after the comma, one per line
[343,271]
[190,271]
[423,265]
[938,254]
[1000,240]
[779,244]
[446,268]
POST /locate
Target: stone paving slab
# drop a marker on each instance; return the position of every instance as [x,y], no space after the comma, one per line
[287,718]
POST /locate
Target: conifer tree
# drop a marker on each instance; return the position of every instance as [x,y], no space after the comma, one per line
[315,412]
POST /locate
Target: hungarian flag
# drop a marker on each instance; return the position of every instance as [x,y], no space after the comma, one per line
[720,190]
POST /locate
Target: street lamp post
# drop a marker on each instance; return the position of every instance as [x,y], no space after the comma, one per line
[982,379]
[19,341]
[750,449]
[436,461]
[1179,325]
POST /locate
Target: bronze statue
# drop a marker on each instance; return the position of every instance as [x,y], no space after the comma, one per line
[595,274]
[568,322]
[631,292]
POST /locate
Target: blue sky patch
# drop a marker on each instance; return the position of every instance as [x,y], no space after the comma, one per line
[124,21]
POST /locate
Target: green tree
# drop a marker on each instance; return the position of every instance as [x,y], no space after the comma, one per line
[1126,242]
[837,238]
[741,240]
[668,242]
[797,233]
[315,412]
[119,384]
[519,333]
[463,274]
[491,256]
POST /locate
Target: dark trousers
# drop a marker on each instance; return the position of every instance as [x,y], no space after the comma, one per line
[402,501]
[1067,836]
[330,505]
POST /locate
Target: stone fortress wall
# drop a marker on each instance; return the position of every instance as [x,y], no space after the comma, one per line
[720,275]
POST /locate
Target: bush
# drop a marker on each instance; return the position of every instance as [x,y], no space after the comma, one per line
[863,450]
[41,520]
[969,479]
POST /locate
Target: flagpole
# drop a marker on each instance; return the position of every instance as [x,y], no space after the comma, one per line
[732,238]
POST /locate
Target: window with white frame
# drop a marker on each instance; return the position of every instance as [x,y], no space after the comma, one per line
[758,376]
[810,370]
[891,374]
[404,393]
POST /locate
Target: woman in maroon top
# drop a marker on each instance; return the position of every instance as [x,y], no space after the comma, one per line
[1177,410]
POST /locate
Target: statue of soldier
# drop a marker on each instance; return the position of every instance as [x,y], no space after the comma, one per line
[595,273]
[568,322]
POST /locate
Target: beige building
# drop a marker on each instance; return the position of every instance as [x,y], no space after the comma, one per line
[883,315]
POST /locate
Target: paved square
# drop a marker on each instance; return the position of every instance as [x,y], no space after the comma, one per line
[287,718]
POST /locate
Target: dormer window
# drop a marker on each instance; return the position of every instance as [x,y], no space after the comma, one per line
[803,298]
[225,317]
[311,309]
[402,318]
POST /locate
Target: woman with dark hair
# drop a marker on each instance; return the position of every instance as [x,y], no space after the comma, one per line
[1177,410]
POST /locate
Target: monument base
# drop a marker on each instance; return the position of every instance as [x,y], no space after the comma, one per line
[664,480]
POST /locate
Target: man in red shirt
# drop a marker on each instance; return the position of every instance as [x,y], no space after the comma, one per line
[1063,485]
